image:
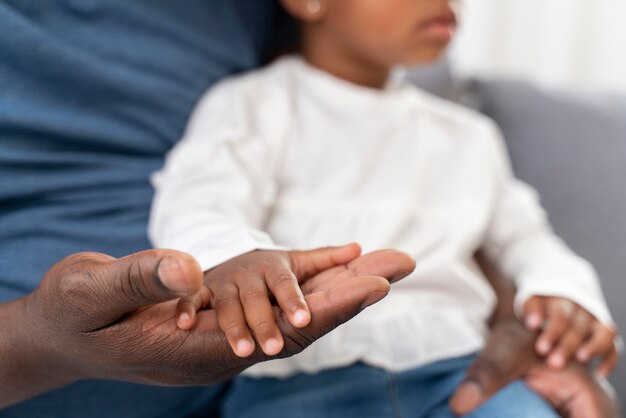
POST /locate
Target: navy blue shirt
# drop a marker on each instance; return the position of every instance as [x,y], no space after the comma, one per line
[93,93]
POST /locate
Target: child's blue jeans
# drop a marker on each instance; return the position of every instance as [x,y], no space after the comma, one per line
[364,391]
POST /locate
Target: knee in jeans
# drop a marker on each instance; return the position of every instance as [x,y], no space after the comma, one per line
[515,401]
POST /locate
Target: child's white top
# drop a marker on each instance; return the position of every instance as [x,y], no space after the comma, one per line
[292,153]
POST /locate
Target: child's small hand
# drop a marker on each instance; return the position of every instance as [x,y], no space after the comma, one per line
[568,331]
[242,291]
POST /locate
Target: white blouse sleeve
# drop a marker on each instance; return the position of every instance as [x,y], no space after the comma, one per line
[217,186]
[523,244]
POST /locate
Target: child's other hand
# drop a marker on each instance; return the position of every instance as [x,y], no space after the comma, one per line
[568,331]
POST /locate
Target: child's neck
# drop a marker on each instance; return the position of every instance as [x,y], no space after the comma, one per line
[328,57]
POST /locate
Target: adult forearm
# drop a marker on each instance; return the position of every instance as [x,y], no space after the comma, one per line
[502,286]
[26,368]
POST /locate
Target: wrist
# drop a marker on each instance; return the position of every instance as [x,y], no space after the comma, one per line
[30,364]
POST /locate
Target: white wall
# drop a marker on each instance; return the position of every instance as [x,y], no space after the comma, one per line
[578,44]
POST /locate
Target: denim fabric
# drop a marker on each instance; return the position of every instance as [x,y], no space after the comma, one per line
[361,391]
[93,93]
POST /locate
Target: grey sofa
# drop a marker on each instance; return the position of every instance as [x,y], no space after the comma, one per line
[572,149]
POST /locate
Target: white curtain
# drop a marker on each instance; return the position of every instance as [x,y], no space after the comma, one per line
[578,44]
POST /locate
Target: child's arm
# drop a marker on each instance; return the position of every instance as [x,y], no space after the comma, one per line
[556,289]
[211,200]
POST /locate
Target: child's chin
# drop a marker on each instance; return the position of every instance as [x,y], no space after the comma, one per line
[425,57]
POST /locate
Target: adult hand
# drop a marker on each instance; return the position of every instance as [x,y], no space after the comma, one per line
[243,290]
[510,354]
[94,316]
[575,391]
[507,355]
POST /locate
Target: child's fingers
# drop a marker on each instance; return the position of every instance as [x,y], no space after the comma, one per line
[559,314]
[534,314]
[571,340]
[608,364]
[284,286]
[188,306]
[260,315]
[231,319]
[601,341]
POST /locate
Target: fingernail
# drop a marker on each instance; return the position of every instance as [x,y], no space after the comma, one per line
[172,276]
[184,317]
[533,321]
[272,346]
[467,398]
[543,347]
[583,356]
[556,361]
[244,348]
[301,318]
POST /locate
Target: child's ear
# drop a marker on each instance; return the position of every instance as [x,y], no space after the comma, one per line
[306,10]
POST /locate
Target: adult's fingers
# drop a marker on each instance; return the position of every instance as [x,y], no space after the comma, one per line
[508,354]
[126,284]
[333,297]
[307,264]
[575,391]
[284,286]
[329,308]
[534,313]
[391,264]
[332,307]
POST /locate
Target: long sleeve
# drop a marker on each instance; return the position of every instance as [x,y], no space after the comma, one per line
[522,243]
[217,186]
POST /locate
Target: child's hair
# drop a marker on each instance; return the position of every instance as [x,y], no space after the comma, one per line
[285,34]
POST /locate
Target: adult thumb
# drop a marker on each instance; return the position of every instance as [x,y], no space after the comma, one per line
[508,354]
[144,278]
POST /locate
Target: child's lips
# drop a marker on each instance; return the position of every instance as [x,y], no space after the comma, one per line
[440,27]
